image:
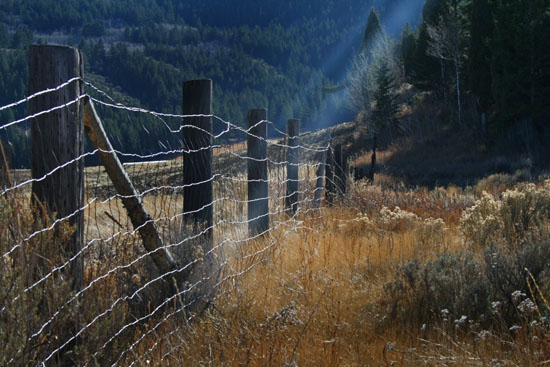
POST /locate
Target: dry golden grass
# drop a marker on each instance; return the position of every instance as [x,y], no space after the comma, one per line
[318,299]
[312,293]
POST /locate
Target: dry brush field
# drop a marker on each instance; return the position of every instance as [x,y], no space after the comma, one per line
[388,276]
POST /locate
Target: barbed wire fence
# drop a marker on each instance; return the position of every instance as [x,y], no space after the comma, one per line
[96,259]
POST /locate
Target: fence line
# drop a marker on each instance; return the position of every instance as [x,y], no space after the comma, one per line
[256,236]
[106,222]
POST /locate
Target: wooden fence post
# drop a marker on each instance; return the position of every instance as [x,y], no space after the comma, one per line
[292,168]
[258,201]
[339,170]
[320,179]
[5,175]
[197,163]
[330,166]
[57,138]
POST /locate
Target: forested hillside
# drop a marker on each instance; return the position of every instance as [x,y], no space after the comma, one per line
[468,91]
[277,54]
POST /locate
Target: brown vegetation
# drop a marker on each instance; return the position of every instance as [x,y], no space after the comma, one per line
[389,276]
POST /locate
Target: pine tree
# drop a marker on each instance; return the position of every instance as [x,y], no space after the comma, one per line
[520,71]
[386,107]
[521,60]
[407,47]
[4,35]
[429,72]
[446,43]
[373,32]
[479,60]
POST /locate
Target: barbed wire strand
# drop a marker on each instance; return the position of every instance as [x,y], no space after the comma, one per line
[39,93]
[280,226]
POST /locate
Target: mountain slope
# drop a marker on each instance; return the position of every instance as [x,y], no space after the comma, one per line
[275,54]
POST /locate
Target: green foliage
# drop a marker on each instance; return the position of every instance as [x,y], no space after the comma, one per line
[426,71]
[4,36]
[385,99]
[488,290]
[93,29]
[447,287]
[520,215]
[520,59]
[479,56]
[407,48]
[502,55]
[511,235]
[373,31]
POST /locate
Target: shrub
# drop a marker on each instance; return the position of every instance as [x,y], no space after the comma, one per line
[450,284]
[460,284]
[518,217]
[509,271]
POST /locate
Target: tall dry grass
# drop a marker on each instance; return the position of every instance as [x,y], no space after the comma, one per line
[322,295]
[378,280]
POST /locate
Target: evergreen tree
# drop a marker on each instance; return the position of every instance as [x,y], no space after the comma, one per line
[407,47]
[446,43]
[479,60]
[521,60]
[373,32]
[384,111]
[385,100]
[520,71]
[429,73]
[4,35]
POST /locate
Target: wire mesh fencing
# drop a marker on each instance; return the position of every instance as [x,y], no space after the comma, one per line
[124,296]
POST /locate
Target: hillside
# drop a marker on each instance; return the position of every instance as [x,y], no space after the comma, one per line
[433,250]
[280,55]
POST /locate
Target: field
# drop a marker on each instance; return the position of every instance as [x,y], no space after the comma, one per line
[341,292]
[389,275]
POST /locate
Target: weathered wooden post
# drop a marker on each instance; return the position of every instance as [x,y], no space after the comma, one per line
[292,167]
[330,166]
[345,173]
[197,160]
[198,197]
[339,170]
[258,201]
[320,179]
[131,200]
[5,176]
[57,138]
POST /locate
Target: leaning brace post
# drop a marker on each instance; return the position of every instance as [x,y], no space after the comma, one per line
[258,202]
[292,168]
[57,138]
[197,156]
[124,187]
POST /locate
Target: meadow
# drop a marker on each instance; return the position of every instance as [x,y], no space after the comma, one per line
[390,275]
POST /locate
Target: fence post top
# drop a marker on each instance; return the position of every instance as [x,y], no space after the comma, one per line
[259,113]
[198,81]
[53,47]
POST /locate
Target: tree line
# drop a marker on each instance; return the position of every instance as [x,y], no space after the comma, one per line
[490,53]
[280,55]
